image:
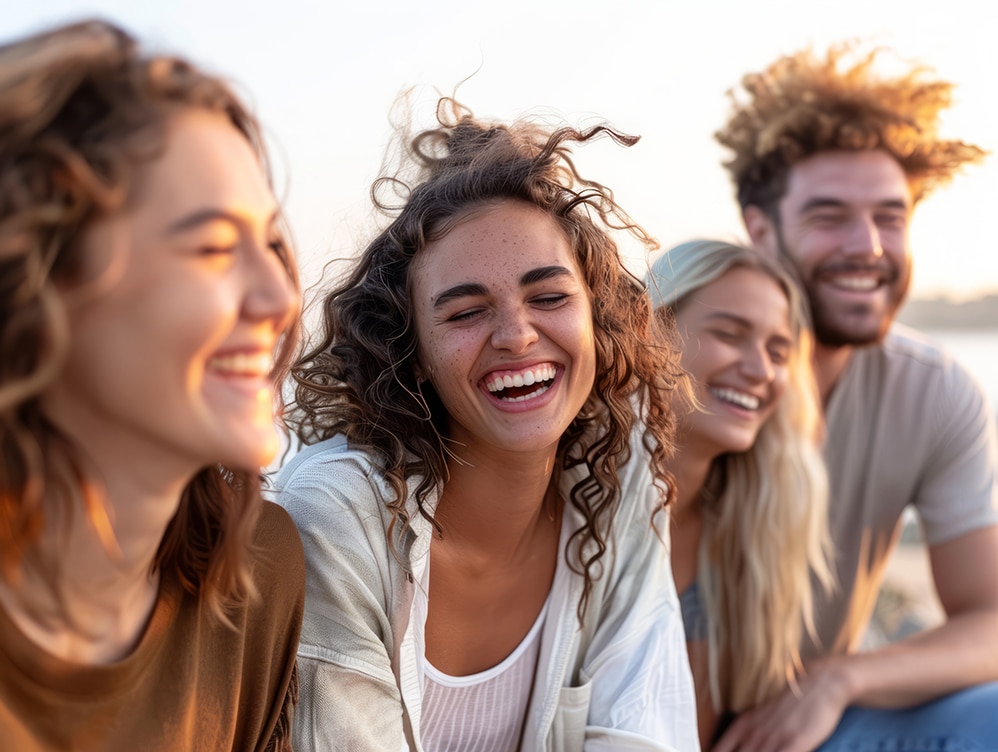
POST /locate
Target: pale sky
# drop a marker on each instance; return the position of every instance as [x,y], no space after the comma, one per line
[323,76]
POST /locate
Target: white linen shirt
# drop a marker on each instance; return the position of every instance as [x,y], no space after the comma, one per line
[620,682]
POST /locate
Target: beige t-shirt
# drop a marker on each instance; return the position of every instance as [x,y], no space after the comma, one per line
[906,425]
[190,684]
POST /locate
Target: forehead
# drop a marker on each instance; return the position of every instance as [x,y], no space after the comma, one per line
[493,246]
[847,177]
[740,292]
[205,162]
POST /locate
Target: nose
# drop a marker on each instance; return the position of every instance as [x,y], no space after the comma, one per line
[271,294]
[756,365]
[864,238]
[513,330]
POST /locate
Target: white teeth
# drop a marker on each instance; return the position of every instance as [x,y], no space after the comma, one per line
[243,364]
[747,401]
[528,377]
[859,283]
[536,393]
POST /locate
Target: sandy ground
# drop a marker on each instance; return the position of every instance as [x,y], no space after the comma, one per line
[907,601]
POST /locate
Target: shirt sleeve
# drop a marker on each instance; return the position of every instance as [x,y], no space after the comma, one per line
[958,488]
[642,688]
[348,694]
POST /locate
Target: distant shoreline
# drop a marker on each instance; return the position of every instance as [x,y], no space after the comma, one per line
[980,314]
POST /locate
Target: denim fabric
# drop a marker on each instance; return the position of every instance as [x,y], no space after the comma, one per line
[965,721]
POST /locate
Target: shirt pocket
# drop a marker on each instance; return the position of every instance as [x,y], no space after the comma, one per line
[568,731]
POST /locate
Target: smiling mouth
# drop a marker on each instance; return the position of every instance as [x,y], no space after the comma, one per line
[858,279]
[853,283]
[520,386]
[244,365]
[736,398]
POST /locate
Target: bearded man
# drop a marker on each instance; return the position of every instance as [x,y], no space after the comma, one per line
[829,161]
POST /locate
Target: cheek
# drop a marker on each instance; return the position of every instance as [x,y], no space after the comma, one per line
[780,381]
[445,358]
[700,359]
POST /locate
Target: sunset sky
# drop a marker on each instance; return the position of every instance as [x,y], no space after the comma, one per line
[324,75]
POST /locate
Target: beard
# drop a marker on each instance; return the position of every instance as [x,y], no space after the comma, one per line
[841,322]
[856,325]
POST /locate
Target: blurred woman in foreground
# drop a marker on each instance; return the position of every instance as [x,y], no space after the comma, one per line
[148,598]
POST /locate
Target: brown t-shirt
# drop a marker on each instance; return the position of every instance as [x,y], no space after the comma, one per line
[190,684]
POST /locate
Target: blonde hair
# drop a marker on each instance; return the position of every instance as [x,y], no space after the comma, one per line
[756,587]
[82,109]
[803,104]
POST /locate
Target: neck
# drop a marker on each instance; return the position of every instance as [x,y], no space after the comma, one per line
[689,466]
[86,589]
[492,505]
[829,365]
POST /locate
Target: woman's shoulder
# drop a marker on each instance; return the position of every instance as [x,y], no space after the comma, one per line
[277,567]
[329,477]
[277,547]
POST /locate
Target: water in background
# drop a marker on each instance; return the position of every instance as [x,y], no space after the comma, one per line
[978,350]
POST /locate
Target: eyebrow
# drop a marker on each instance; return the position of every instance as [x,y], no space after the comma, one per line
[823,202]
[733,317]
[205,216]
[467,289]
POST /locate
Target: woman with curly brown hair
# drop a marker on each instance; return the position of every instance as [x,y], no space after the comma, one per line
[146,288]
[482,501]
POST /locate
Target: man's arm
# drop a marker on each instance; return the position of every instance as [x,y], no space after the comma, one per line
[960,653]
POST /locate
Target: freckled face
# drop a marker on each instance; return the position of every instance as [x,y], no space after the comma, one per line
[737,342]
[171,358]
[505,329]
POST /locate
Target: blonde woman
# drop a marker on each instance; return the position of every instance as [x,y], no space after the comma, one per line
[749,524]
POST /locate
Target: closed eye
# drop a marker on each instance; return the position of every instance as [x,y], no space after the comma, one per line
[779,356]
[893,220]
[279,247]
[827,220]
[726,336]
[550,300]
[467,315]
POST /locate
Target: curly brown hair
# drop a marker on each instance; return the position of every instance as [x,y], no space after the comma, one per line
[358,378]
[804,104]
[82,110]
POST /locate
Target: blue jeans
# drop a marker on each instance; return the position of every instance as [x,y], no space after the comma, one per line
[965,721]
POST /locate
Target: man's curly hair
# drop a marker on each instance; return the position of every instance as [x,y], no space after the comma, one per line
[804,104]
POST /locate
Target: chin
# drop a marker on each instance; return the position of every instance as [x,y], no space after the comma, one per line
[836,334]
[733,443]
[250,457]
[855,327]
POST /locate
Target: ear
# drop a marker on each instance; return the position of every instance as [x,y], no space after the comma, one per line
[760,228]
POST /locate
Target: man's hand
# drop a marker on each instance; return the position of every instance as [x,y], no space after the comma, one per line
[798,720]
